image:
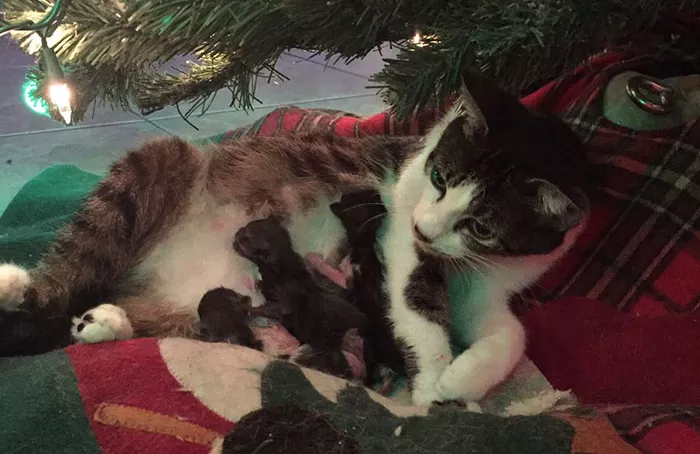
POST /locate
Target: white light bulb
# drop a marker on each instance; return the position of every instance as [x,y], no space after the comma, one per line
[59,95]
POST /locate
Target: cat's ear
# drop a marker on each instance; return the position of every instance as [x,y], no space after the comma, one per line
[474,119]
[485,107]
[551,202]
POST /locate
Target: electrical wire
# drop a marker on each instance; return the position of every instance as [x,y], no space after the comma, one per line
[45,23]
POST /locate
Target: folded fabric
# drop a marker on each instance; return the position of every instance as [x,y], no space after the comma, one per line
[609,356]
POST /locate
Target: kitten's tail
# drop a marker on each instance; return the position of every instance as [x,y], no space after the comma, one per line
[144,195]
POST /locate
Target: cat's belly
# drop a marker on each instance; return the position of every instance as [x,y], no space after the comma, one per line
[198,254]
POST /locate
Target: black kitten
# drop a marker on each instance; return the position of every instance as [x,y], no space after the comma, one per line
[362,214]
[312,308]
[22,333]
[223,316]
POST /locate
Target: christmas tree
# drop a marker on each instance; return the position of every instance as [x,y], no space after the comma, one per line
[115,51]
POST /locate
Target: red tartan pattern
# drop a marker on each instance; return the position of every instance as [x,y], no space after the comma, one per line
[641,248]
[662,429]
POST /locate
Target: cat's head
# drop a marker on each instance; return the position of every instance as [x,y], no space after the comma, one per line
[496,179]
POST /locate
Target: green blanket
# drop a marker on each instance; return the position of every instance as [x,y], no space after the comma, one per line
[45,203]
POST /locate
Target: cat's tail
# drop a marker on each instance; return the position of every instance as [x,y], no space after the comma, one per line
[144,195]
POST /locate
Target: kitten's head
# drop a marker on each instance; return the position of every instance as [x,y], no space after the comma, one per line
[497,179]
[361,213]
[263,242]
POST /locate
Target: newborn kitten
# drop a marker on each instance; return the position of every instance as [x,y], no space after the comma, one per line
[23,333]
[313,309]
[362,214]
[223,316]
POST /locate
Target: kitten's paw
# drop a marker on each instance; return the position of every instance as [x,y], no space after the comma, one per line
[13,283]
[464,380]
[104,323]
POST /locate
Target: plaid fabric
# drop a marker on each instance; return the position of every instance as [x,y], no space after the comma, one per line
[640,251]
[659,428]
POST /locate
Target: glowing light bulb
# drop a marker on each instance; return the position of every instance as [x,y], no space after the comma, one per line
[59,95]
[416,38]
[34,103]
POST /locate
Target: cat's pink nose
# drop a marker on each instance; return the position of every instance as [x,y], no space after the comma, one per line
[420,235]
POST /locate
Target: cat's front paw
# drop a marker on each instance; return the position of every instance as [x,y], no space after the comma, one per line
[104,323]
[463,380]
[425,396]
[14,281]
[425,391]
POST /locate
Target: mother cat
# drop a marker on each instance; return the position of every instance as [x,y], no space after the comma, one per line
[493,188]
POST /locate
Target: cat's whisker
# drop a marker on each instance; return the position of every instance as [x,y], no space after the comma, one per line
[372,219]
[465,284]
[362,205]
[476,263]
[472,263]
[488,260]
[488,263]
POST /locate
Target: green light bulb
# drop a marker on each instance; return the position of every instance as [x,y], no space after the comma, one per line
[34,103]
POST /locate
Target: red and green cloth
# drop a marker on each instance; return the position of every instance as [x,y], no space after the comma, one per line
[181,396]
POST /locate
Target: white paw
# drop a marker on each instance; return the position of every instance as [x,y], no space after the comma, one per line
[465,380]
[474,407]
[104,323]
[13,283]
[425,390]
[424,397]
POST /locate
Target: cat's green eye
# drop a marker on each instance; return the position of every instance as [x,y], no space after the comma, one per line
[478,229]
[437,180]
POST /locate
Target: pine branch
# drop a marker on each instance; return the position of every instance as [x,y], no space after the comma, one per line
[115,53]
[516,42]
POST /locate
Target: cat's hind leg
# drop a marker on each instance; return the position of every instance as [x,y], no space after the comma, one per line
[104,323]
[14,281]
[145,194]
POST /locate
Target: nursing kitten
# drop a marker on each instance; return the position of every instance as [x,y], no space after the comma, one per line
[314,310]
[223,317]
[487,201]
[311,307]
[362,214]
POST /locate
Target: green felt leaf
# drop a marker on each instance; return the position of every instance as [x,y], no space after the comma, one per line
[444,430]
[42,411]
[41,207]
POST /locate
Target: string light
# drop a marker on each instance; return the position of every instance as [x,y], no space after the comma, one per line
[417,39]
[60,96]
[58,91]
